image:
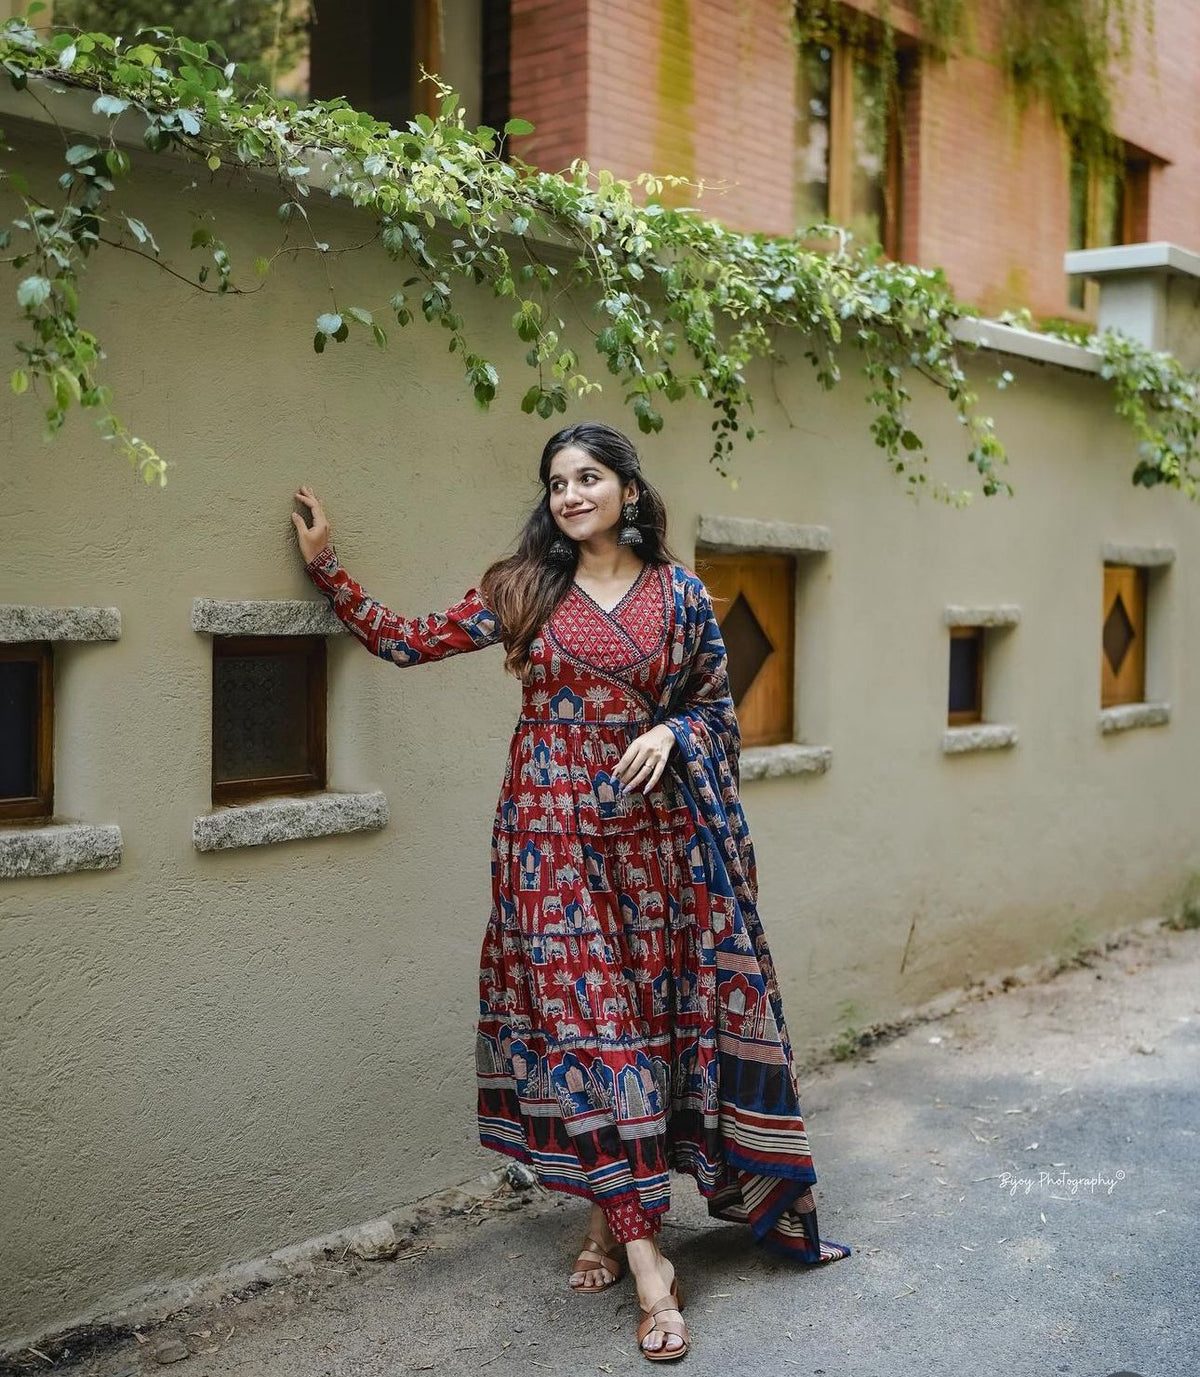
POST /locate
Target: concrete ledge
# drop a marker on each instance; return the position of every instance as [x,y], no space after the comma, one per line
[288,819]
[280,617]
[1115,552]
[1001,614]
[1160,255]
[979,736]
[747,533]
[58,848]
[1126,715]
[18,623]
[1011,339]
[788,758]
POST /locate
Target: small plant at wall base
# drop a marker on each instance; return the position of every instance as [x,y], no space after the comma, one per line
[681,305]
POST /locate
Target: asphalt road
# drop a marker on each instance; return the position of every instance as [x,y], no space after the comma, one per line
[1017,1179]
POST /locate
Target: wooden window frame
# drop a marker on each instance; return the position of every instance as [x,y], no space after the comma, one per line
[39,804]
[1120,578]
[313,649]
[841,139]
[1134,190]
[960,717]
[779,730]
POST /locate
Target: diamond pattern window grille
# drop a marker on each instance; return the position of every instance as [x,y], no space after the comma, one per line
[1118,634]
[747,644]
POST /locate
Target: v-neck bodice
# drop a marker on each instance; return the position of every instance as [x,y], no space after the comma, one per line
[622,645]
[611,611]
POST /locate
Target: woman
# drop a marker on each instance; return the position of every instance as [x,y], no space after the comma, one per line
[630,1020]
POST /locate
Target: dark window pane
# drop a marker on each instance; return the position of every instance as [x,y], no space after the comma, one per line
[1077,230]
[1111,229]
[812,134]
[964,673]
[746,645]
[867,158]
[260,716]
[497,35]
[363,50]
[18,728]
[1119,634]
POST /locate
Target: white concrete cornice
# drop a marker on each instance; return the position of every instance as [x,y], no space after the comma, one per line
[1028,344]
[1157,257]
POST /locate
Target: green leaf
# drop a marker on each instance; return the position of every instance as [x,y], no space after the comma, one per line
[142,234]
[319,342]
[380,335]
[109,105]
[33,292]
[910,440]
[357,313]
[19,381]
[516,126]
[214,161]
[80,153]
[262,266]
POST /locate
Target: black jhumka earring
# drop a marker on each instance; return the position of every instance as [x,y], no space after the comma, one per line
[630,535]
[560,551]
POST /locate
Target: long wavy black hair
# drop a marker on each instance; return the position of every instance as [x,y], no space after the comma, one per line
[523,589]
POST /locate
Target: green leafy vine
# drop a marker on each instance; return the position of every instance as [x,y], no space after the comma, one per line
[681,305]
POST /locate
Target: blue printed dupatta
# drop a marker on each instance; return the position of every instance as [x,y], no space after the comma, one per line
[769,1170]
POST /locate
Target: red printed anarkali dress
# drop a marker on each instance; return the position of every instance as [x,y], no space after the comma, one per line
[629,1016]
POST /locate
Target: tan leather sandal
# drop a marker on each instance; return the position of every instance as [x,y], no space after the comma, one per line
[651,1320]
[593,1258]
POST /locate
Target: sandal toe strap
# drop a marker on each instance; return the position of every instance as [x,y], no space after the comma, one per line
[596,1254]
[665,1326]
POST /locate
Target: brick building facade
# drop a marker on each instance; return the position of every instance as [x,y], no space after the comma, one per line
[709,89]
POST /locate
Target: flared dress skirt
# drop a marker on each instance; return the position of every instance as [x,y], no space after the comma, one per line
[598,1053]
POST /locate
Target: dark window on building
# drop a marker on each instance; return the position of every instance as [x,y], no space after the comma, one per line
[848,147]
[496,96]
[1108,205]
[268,722]
[966,675]
[26,730]
[371,52]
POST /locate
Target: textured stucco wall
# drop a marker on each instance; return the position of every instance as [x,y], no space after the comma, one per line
[206,1056]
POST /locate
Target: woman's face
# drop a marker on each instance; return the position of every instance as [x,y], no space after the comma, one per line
[586,495]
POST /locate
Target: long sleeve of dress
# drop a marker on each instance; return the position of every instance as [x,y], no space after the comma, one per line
[469,625]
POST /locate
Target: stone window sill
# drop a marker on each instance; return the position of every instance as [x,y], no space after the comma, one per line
[788,758]
[21,623]
[264,821]
[57,848]
[978,736]
[278,617]
[1126,715]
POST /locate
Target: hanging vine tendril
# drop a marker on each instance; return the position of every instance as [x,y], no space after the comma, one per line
[680,305]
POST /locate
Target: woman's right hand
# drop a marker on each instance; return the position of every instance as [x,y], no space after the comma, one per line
[315,537]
